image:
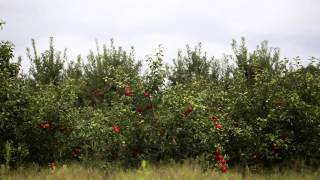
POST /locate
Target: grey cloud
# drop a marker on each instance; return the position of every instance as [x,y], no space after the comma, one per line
[291,25]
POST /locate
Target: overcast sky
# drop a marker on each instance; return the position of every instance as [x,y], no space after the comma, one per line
[292,25]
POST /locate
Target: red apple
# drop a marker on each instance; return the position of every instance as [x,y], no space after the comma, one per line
[139,109]
[224,169]
[44,125]
[127,91]
[222,162]
[217,152]
[218,125]
[146,94]
[116,129]
[219,157]
[189,109]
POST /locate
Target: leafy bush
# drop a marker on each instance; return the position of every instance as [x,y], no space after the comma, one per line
[250,108]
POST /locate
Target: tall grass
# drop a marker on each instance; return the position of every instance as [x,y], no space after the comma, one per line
[162,172]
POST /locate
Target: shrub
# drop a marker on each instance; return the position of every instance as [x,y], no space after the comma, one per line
[260,110]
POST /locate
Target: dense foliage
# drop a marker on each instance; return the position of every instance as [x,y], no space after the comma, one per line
[248,108]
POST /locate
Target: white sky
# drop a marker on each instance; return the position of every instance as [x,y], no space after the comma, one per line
[292,25]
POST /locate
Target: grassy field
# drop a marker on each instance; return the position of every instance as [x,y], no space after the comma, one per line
[185,172]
